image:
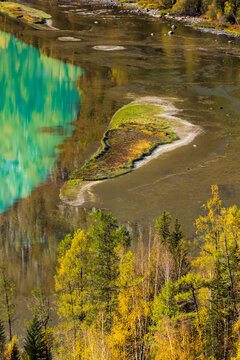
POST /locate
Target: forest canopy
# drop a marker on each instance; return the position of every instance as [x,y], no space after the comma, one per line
[221,11]
[158,301]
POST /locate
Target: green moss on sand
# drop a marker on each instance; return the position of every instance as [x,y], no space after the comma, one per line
[34,17]
[143,114]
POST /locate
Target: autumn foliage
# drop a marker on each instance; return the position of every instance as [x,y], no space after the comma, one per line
[156,302]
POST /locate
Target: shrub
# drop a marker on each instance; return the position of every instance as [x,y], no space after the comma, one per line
[212,12]
[188,7]
[165,4]
[205,5]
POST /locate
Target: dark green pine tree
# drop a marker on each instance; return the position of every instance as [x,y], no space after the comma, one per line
[176,235]
[106,237]
[179,251]
[35,344]
[162,226]
[2,339]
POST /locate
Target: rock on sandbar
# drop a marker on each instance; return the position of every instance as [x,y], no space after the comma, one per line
[68,38]
[108,48]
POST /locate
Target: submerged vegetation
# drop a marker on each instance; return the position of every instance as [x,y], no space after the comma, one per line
[134,132]
[157,302]
[34,17]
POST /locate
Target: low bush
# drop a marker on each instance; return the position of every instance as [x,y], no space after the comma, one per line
[188,7]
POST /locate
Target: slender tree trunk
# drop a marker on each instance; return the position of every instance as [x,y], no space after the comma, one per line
[156,271]
[7,305]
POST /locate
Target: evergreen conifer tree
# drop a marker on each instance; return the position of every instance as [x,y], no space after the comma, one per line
[107,237]
[179,251]
[162,225]
[35,344]
[176,235]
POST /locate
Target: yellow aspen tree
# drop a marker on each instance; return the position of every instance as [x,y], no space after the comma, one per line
[128,334]
[73,283]
[218,263]
[13,351]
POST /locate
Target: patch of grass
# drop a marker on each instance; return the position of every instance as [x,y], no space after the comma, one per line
[24,13]
[229,28]
[233,30]
[205,26]
[134,132]
[146,5]
[166,11]
[138,113]
[70,188]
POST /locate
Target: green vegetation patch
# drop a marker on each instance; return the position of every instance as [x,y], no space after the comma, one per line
[134,132]
[228,28]
[143,114]
[146,4]
[205,26]
[70,189]
[24,13]
[235,30]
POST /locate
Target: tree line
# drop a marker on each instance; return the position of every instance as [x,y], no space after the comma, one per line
[221,11]
[157,302]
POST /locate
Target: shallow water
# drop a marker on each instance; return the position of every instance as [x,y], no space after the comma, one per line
[198,72]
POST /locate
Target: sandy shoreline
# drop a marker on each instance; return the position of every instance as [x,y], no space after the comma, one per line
[185,131]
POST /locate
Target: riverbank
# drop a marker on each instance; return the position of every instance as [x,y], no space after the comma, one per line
[202,24]
[197,22]
[42,21]
[123,154]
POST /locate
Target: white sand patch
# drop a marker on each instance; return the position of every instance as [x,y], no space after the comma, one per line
[68,38]
[184,129]
[49,23]
[108,48]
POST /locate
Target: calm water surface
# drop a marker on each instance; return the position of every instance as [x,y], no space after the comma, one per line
[46,90]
